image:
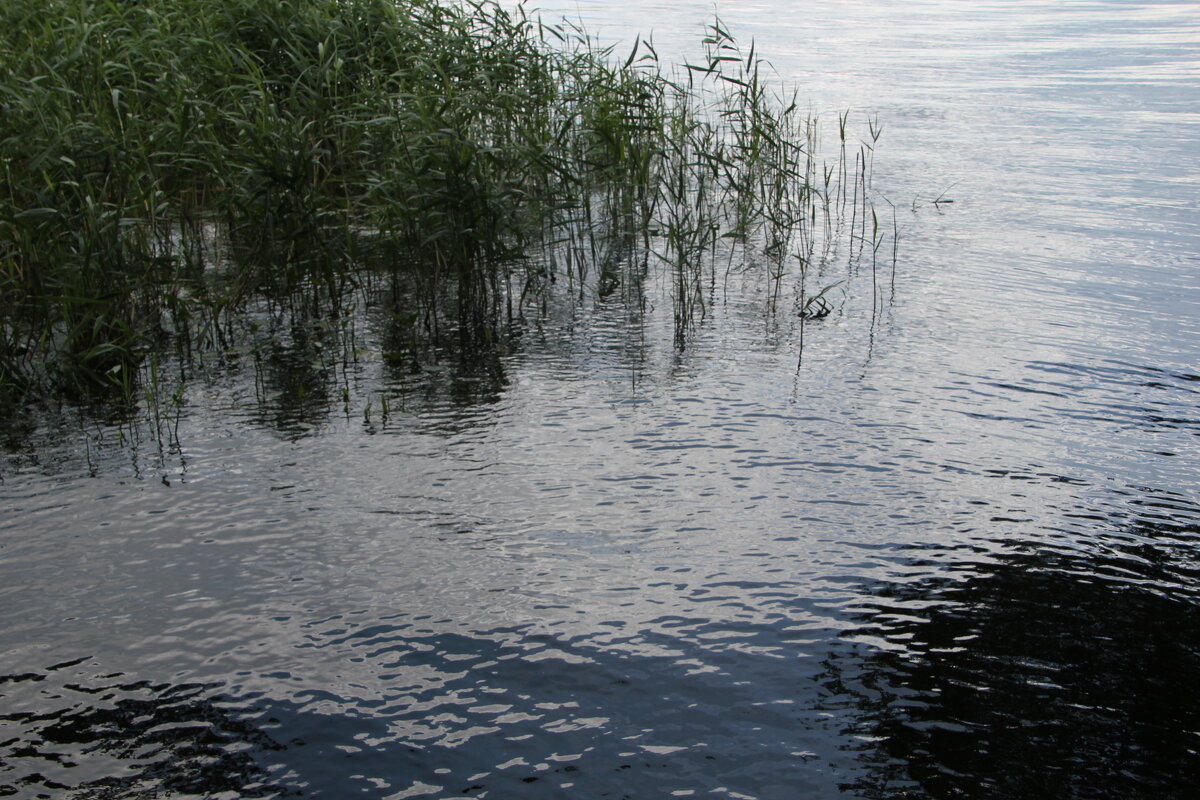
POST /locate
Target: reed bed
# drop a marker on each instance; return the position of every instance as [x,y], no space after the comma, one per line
[169,163]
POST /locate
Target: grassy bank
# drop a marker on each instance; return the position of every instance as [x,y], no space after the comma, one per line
[166,162]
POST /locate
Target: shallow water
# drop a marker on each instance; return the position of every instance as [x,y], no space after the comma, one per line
[953,554]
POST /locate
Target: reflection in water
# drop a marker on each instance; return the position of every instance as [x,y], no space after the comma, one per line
[512,713]
[1060,671]
[521,714]
[293,379]
[110,738]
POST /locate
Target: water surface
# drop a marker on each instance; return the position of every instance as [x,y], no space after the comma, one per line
[952,553]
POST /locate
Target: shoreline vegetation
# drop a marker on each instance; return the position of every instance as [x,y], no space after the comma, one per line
[169,164]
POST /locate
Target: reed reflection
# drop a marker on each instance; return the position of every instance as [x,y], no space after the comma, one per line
[1053,670]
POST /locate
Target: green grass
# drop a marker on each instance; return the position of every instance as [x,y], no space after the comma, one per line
[167,162]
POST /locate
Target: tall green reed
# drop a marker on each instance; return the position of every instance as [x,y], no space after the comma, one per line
[168,162]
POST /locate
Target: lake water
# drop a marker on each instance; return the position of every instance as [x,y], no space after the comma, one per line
[953,553]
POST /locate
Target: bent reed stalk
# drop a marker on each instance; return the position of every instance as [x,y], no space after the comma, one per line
[165,162]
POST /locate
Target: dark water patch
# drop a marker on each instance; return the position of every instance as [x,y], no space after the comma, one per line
[518,713]
[293,385]
[1052,668]
[682,707]
[104,736]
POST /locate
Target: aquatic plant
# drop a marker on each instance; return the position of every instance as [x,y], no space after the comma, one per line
[167,163]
